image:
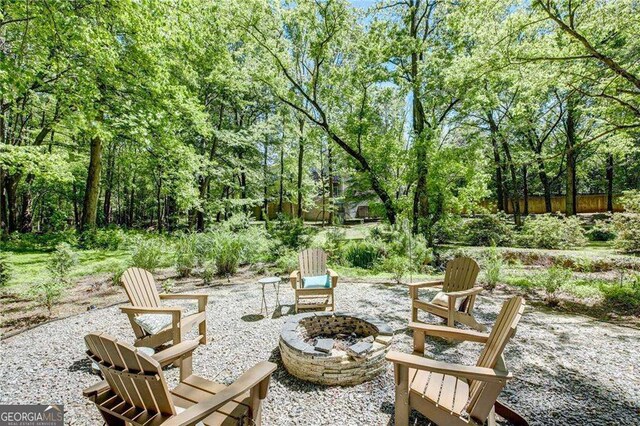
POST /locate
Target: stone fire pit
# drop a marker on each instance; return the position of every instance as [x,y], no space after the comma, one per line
[334,348]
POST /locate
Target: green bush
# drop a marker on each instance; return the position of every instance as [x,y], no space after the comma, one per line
[334,238]
[107,239]
[208,273]
[5,269]
[32,241]
[48,292]
[624,297]
[117,276]
[493,268]
[61,261]
[488,229]
[362,254]
[552,232]
[552,280]
[186,255]
[448,229]
[290,232]
[627,225]
[238,222]
[148,253]
[398,266]
[601,230]
[287,261]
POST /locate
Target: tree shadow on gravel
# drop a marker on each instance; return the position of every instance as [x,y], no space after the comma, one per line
[568,397]
[83,365]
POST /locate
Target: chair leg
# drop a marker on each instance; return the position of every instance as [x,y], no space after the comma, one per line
[470,321]
[111,420]
[186,366]
[256,407]
[402,408]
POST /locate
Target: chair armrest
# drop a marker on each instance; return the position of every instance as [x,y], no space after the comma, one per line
[171,354]
[464,293]
[151,310]
[183,296]
[255,376]
[333,275]
[434,283]
[293,278]
[93,390]
[449,332]
[457,370]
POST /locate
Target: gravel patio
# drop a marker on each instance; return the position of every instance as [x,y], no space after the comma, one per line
[568,369]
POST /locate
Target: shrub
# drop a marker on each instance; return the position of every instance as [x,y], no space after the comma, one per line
[208,273]
[449,229]
[398,266]
[362,254]
[625,296]
[225,252]
[334,238]
[255,245]
[186,255]
[5,270]
[287,261]
[627,225]
[107,239]
[168,285]
[420,254]
[238,222]
[48,292]
[488,229]
[61,261]
[493,268]
[290,232]
[602,231]
[552,232]
[552,280]
[117,276]
[147,254]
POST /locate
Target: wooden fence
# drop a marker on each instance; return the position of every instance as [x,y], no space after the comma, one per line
[588,203]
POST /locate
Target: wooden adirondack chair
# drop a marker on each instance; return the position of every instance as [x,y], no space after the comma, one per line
[313,263]
[455,301]
[145,299]
[453,394]
[135,392]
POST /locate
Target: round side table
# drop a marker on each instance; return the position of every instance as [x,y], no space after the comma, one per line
[275,281]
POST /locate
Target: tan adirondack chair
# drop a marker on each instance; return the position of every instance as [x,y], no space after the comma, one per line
[453,394]
[145,299]
[313,263]
[135,392]
[455,301]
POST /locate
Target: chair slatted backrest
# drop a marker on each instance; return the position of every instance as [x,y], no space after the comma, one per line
[140,287]
[461,274]
[503,330]
[313,262]
[136,379]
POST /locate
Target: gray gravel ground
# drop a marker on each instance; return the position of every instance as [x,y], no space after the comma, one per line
[568,369]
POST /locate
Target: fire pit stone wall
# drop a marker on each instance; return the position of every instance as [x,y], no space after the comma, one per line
[368,338]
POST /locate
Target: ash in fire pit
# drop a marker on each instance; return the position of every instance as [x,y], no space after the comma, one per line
[335,348]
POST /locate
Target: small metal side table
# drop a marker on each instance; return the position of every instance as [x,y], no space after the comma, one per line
[275,281]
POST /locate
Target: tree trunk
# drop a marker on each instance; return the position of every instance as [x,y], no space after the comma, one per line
[109,187]
[26,210]
[3,205]
[498,168]
[525,187]
[571,196]
[264,213]
[331,189]
[610,183]
[420,209]
[281,194]
[11,187]
[90,204]
[300,163]
[159,204]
